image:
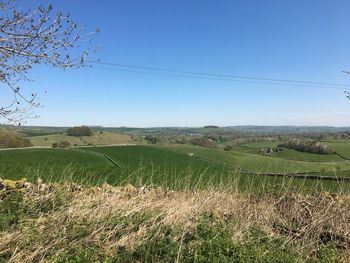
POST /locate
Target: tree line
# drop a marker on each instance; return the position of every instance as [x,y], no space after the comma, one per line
[307,146]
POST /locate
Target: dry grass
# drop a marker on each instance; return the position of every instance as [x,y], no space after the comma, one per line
[120,217]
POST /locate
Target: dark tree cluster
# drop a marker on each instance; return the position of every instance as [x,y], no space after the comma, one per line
[307,146]
[151,139]
[80,131]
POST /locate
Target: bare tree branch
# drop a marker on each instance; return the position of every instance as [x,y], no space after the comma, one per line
[30,37]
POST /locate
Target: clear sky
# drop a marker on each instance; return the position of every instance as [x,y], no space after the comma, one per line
[300,40]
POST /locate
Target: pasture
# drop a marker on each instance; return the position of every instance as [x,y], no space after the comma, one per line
[177,167]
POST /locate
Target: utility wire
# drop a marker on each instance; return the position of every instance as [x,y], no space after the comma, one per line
[333,85]
[220,79]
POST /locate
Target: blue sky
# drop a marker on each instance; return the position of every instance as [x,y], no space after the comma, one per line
[303,40]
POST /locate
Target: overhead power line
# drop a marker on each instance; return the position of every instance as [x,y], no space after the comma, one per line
[192,74]
[217,79]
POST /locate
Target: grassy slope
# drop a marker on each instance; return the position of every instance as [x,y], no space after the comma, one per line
[104,138]
[48,140]
[290,154]
[304,156]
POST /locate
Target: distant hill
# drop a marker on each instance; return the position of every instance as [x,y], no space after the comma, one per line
[247,129]
[244,129]
[287,129]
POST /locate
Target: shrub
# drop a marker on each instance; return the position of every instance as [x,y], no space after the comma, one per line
[11,210]
[228,148]
[327,253]
[63,144]
[80,131]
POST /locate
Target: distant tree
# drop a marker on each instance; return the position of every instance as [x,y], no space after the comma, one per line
[29,37]
[151,139]
[80,131]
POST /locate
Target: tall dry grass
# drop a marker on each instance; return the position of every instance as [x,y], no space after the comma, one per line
[60,216]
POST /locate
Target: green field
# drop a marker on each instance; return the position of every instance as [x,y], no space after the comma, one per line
[88,164]
[340,146]
[53,164]
[160,165]
[177,167]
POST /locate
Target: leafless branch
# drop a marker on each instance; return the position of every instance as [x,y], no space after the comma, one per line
[30,37]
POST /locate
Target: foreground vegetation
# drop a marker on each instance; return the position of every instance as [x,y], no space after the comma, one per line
[69,223]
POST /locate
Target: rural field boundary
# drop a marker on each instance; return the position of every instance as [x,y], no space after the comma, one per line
[248,147]
[110,159]
[300,176]
[99,154]
[342,156]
